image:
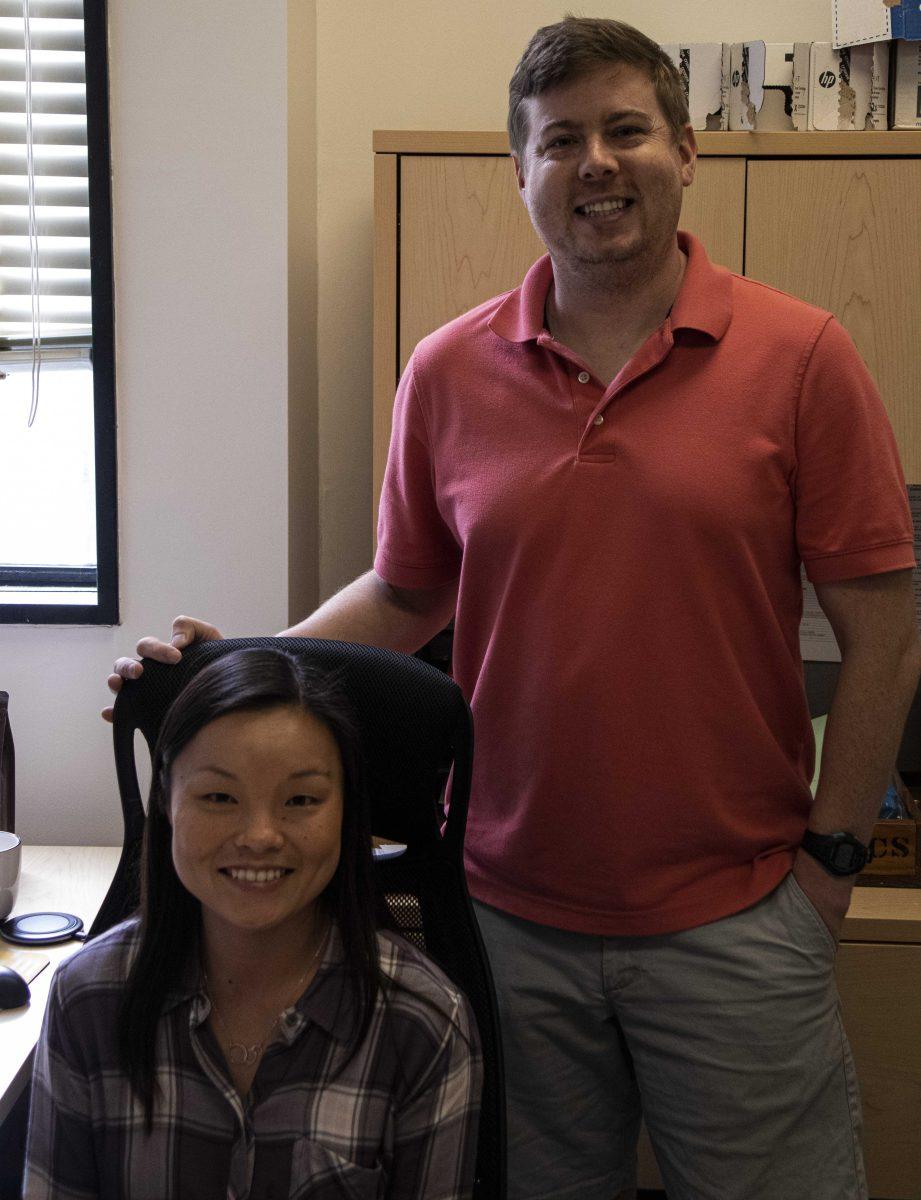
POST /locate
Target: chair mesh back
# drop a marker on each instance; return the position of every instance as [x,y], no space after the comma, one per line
[415,729]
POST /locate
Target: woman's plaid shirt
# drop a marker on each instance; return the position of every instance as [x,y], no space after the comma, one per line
[399,1121]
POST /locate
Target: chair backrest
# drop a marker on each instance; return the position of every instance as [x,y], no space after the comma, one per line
[7,768]
[415,729]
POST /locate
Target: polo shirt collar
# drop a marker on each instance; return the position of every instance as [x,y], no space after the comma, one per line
[520,316]
[704,301]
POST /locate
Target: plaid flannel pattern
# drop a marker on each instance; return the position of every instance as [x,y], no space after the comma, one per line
[399,1121]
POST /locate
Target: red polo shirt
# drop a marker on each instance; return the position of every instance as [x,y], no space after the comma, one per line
[629,592]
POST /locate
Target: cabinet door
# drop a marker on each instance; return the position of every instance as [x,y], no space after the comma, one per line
[465,235]
[846,235]
[879,986]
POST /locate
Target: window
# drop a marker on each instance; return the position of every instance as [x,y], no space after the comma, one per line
[57,392]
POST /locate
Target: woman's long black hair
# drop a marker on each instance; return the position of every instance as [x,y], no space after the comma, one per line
[241,681]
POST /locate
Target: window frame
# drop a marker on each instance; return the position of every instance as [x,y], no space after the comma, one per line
[106,609]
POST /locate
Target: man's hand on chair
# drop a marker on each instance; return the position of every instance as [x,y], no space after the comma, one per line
[186,630]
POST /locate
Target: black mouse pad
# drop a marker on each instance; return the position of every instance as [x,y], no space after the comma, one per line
[41,928]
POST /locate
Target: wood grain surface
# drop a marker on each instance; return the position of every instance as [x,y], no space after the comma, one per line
[465,234]
[70,879]
[786,144]
[846,235]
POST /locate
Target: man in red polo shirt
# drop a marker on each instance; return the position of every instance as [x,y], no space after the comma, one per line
[610,477]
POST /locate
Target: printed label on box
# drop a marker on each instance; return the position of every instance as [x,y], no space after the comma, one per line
[800,114]
[893,848]
[848,88]
[724,86]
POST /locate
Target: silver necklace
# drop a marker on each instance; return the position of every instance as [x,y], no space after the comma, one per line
[241,1054]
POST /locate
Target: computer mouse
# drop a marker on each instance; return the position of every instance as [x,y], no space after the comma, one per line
[14,991]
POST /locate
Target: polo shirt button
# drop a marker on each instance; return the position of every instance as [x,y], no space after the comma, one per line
[599,420]
[584,377]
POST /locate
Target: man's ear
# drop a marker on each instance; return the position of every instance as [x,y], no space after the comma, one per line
[687,149]
[519,171]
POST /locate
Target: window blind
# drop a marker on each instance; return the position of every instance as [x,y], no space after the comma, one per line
[44,203]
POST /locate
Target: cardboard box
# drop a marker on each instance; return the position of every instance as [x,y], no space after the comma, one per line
[761,85]
[895,844]
[777,107]
[905,86]
[848,88]
[905,18]
[800,113]
[746,83]
[700,65]
[894,852]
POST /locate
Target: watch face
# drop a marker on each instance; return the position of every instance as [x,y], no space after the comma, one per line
[842,857]
[847,857]
[839,853]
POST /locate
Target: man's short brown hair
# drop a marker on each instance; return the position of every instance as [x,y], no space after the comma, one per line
[574,46]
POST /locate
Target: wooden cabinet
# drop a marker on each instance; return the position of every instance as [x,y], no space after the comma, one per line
[834,218]
[465,235]
[846,235]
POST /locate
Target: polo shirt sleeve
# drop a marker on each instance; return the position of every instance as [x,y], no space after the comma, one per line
[852,515]
[415,547]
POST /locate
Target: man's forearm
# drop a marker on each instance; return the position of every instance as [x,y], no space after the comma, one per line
[372,613]
[862,736]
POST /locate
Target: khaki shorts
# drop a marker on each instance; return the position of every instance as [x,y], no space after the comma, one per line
[727,1039]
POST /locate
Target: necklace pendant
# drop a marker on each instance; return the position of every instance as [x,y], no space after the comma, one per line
[244,1056]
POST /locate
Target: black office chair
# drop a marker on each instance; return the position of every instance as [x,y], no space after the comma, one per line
[415,727]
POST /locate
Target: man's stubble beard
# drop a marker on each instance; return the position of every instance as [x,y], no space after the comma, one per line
[615,269]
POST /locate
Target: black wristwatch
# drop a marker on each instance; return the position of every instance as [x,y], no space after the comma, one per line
[840,853]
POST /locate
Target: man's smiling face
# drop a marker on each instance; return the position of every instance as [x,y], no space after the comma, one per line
[602,173]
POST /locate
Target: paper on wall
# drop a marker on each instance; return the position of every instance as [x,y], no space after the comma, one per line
[817,642]
[857,21]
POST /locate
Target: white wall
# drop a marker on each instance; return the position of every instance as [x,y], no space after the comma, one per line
[198,110]
[207,220]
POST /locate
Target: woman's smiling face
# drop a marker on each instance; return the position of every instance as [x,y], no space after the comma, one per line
[255,804]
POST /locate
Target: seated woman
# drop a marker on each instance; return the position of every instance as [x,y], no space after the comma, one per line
[251,1033]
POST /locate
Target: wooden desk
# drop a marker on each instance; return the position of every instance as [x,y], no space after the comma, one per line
[63,879]
[879,978]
